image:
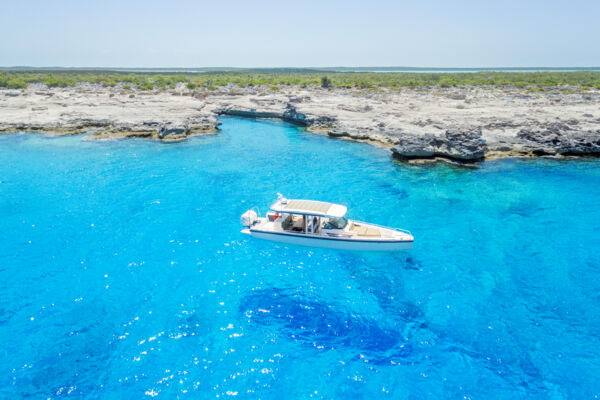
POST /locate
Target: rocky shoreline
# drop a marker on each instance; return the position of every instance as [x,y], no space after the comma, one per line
[458,124]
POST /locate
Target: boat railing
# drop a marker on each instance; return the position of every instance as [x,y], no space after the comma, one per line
[338,235]
[385,227]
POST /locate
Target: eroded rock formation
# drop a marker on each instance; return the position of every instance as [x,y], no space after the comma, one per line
[464,124]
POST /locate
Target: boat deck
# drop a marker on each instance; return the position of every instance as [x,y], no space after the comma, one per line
[359,230]
[362,230]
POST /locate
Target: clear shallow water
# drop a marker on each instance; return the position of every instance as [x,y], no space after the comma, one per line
[123,273]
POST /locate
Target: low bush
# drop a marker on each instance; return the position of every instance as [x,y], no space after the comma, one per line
[146,86]
[248,78]
[14,83]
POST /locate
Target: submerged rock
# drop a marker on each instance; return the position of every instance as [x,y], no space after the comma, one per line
[465,145]
[321,326]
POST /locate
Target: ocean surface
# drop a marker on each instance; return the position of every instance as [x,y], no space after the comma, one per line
[124,275]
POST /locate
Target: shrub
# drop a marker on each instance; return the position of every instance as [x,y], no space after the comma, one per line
[60,81]
[109,83]
[16,83]
[146,86]
[447,82]
[325,82]
[163,81]
[191,85]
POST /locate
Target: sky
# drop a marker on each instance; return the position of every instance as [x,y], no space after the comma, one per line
[308,33]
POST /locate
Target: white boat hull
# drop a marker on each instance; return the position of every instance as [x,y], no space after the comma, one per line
[331,242]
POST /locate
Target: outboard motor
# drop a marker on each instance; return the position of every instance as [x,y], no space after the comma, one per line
[249,218]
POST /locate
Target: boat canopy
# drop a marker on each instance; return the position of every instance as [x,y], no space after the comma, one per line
[309,207]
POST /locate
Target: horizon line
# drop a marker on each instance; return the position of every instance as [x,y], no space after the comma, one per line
[296,67]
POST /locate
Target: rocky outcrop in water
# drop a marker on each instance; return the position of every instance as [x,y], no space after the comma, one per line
[457,145]
[292,115]
[562,139]
[173,131]
[280,110]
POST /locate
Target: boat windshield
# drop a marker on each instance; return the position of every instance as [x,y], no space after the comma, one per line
[336,223]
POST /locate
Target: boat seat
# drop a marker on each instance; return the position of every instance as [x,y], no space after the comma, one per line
[366,231]
[286,224]
[296,224]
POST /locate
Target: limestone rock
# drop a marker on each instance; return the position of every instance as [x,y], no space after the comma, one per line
[292,115]
[458,145]
[420,122]
[560,138]
[170,132]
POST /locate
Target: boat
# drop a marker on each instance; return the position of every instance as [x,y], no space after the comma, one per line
[321,224]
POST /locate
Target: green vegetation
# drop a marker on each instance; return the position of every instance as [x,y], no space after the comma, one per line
[12,82]
[532,81]
[325,82]
[58,80]
[145,85]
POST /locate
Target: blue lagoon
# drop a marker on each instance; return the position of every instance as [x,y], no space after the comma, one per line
[123,273]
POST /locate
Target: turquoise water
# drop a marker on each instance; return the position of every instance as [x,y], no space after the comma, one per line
[123,273]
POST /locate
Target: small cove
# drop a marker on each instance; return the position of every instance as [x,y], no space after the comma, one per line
[123,272]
